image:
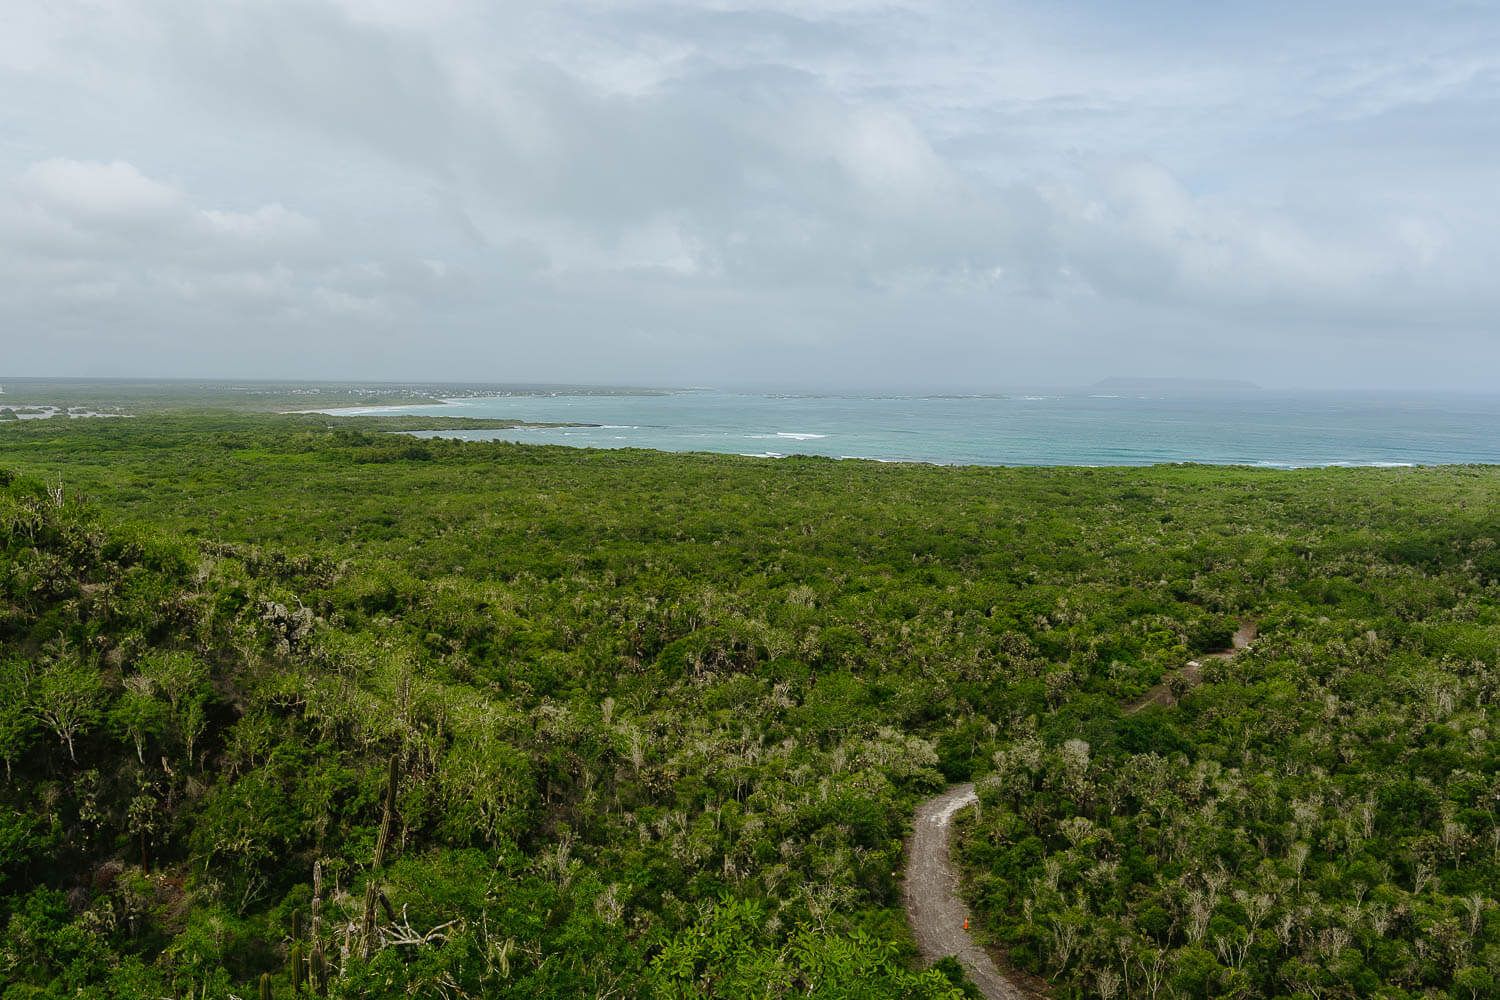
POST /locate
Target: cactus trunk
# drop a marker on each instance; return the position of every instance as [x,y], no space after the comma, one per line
[297,967]
[319,968]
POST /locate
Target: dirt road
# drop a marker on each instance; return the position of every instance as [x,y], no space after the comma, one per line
[933,909]
[1162,695]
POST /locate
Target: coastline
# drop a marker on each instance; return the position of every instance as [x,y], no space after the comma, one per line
[1266,429]
[1257,430]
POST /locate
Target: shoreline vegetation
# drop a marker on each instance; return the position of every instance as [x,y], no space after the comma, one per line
[290,700]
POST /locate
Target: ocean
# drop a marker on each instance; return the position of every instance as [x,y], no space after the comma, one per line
[1075,427]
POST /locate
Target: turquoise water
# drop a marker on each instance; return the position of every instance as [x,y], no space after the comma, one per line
[1273,429]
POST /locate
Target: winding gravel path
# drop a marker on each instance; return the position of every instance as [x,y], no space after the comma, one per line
[933,909]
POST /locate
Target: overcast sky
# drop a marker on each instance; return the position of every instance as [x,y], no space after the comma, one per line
[830,193]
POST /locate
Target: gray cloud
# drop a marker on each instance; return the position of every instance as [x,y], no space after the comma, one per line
[831,192]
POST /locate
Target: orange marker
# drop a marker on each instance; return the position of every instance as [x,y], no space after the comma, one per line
[966,923]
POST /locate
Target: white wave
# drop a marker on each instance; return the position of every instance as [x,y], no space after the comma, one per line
[1269,464]
[795,436]
[1368,465]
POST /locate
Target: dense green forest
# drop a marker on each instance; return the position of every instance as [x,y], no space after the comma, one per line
[293,702]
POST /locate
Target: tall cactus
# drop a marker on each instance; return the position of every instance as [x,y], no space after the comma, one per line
[295,960]
[392,776]
[367,940]
[265,986]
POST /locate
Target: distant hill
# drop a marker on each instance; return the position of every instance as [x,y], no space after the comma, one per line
[1175,384]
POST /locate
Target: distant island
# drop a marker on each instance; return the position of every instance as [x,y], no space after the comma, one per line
[1176,384]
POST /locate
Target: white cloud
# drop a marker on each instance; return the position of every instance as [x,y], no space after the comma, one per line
[104,192]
